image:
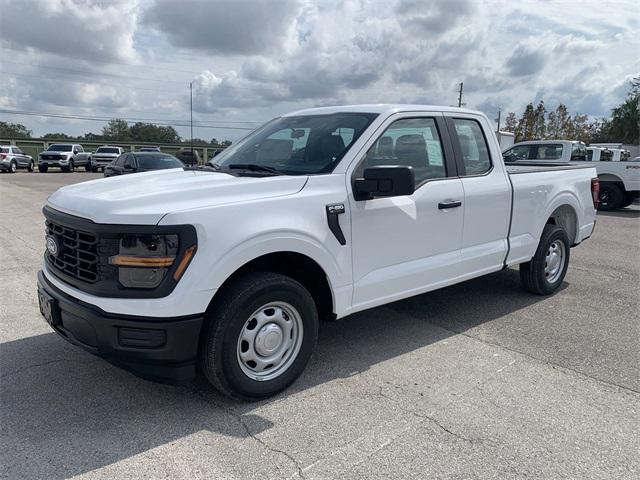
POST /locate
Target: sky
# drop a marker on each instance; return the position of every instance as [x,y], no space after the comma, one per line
[249,61]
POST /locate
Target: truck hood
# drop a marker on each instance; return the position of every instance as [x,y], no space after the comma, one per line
[144,198]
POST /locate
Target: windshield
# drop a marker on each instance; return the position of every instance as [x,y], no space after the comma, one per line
[158,162]
[59,148]
[107,150]
[303,145]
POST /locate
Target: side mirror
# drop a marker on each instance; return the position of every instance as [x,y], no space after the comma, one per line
[385,181]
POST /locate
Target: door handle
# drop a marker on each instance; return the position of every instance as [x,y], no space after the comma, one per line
[445,205]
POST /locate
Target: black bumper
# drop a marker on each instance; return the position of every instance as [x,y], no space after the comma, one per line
[160,349]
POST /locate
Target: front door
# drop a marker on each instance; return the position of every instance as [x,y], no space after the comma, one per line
[408,244]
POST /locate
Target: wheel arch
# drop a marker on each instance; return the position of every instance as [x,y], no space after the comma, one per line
[611,178]
[566,217]
[294,264]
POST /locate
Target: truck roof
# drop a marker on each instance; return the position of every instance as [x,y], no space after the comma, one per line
[548,142]
[379,108]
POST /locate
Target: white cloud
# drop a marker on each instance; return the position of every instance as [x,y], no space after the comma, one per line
[253,60]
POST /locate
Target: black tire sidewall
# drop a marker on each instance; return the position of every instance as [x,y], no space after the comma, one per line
[14,167]
[226,362]
[552,234]
[31,167]
[616,197]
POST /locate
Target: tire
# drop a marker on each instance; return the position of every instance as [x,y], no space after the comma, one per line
[87,167]
[611,197]
[31,167]
[71,167]
[13,167]
[628,200]
[43,168]
[539,275]
[271,299]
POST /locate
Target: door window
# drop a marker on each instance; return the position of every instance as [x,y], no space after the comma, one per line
[129,161]
[119,162]
[473,146]
[411,142]
[578,153]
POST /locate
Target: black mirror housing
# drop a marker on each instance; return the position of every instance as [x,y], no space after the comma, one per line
[385,181]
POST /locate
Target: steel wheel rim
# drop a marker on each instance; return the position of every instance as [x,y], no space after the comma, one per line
[270,341]
[554,261]
[13,167]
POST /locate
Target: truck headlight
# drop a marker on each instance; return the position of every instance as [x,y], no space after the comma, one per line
[144,260]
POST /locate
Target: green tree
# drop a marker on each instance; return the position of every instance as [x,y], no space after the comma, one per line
[539,126]
[225,143]
[148,132]
[58,136]
[510,123]
[624,125]
[14,130]
[559,123]
[116,129]
[526,125]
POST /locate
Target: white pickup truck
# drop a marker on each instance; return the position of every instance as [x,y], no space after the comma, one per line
[317,214]
[619,178]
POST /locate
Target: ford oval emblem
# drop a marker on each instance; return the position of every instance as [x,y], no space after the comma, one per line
[52,246]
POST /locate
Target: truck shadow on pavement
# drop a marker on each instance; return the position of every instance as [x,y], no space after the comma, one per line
[65,412]
[623,213]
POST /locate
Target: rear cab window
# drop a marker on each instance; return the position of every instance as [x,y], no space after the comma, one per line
[578,152]
[471,147]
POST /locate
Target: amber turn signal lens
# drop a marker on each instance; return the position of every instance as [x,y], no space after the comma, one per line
[184,263]
[149,262]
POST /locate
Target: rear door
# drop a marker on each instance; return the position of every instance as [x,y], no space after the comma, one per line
[405,245]
[487,194]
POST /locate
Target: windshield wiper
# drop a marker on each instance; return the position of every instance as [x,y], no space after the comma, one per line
[253,168]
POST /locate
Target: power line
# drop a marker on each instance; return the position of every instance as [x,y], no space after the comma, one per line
[140,119]
[104,119]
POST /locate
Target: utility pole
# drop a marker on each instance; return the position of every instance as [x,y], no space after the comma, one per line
[498,120]
[460,94]
[191,109]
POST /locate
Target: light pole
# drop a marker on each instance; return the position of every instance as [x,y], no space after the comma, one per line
[191,109]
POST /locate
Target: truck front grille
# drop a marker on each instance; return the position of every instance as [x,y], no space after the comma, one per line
[78,255]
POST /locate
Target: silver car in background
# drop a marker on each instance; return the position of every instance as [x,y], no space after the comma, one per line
[12,158]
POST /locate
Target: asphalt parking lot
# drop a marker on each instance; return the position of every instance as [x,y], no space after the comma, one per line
[478,380]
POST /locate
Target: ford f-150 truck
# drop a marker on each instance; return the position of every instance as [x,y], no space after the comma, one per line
[67,156]
[103,156]
[619,179]
[316,215]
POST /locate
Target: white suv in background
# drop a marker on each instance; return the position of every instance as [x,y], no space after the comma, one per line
[12,158]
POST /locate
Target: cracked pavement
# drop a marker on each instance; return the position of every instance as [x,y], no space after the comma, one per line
[478,380]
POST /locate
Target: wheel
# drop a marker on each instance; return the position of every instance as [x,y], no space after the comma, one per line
[628,200]
[87,167]
[13,168]
[611,196]
[71,167]
[31,167]
[544,273]
[259,336]
[43,168]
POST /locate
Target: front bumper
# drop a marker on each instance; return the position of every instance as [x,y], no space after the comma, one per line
[5,166]
[160,349]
